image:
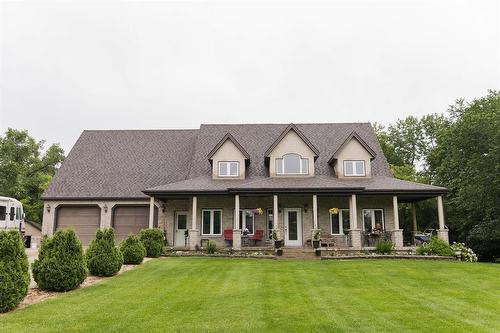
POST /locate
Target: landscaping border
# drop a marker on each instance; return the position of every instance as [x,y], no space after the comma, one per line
[394,256]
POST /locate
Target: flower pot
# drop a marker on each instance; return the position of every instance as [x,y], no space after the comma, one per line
[279,252]
[316,244]
[318,252]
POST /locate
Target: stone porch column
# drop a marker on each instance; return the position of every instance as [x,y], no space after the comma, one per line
[397,234]
[315,216]
[354,232]
[414,221]
[194,234]
[276,216]
[151,212]
[236,227]
[442,232]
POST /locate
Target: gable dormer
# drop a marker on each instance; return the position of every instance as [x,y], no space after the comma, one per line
[291,154]
[353,158]
[229,159]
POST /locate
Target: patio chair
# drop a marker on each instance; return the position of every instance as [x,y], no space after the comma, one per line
[259,234]
[228,235]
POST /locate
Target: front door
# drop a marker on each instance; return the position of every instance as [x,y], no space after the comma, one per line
[180,229]
[293,227]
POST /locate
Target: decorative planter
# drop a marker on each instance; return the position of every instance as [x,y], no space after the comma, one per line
[279,252]
[316,244]
[278,244]
[317,252]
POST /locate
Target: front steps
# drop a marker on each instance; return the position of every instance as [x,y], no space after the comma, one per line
[298,253]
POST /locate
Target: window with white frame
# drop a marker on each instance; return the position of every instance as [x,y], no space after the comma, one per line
[373,220]
[292,164]
[211,222]
[340,222]
[229,169]
[247,221]
[354,168]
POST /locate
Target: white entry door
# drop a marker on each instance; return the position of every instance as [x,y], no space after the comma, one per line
[293,227]
[180,229]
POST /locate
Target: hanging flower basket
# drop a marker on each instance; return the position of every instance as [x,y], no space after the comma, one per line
[334,211]
[257,211]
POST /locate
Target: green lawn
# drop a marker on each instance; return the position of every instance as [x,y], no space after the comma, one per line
[208,294]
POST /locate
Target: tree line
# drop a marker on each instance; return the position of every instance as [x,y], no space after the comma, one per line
[460,150]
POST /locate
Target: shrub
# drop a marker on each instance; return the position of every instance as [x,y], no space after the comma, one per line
[14,276]
[61,263]
[437,247]
[484,239]
[152,239]
[467,253]
[211,247]
[103,257]
[133,251]
[384,247]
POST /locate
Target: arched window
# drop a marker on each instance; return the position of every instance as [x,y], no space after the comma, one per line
[292,164]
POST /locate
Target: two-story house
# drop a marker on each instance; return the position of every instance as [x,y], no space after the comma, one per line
[222,179]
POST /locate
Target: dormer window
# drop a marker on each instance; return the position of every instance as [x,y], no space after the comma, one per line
[292,164]
[229,169]
[354,168]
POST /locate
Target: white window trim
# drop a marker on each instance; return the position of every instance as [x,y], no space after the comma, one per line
[281,160]
[228,169]
[354,174]
[341,225]
[244,221]
[373,217]
[211,222]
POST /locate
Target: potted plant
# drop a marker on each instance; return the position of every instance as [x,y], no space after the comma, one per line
[317,251]
[316,239]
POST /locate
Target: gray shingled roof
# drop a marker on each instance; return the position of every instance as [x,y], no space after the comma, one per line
[122,164]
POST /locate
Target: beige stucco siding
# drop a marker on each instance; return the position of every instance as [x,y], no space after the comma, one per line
[353,150]
[228,152]
[291,143]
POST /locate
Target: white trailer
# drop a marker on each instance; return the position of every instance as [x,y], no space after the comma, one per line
[11,214]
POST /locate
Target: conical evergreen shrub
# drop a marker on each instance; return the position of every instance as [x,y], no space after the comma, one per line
[133,250]
[14,275]
[152,239]
[103,257]
[61,263]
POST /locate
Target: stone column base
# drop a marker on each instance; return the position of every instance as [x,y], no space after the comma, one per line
[397,238]
[355,238]
[443,234]
[313,232]
[194,239]
[278,233]
[236,239]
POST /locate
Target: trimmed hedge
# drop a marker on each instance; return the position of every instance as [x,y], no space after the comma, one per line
[152,239]
[103,257]
[133,250]
[61,263]
[14,275]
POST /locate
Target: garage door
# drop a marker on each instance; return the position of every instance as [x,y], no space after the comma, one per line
[131,219]
[85,221]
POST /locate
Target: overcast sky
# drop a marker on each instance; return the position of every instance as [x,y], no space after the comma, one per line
[68,66]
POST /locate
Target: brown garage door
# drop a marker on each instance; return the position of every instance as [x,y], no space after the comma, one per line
[85,220]
[131,219]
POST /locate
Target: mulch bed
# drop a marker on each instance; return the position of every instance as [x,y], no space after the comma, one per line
[36,295]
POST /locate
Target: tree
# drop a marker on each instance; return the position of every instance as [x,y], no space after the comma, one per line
[467,161]
[27,169]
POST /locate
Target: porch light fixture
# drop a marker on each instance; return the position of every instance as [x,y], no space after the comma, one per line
[306,206]
[105,207]
[163,207]
[48,208]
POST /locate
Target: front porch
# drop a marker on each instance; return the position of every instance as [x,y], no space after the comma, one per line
[356,222]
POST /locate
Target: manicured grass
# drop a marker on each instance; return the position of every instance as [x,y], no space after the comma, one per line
[207,294]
